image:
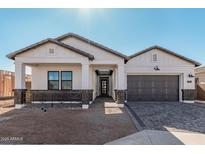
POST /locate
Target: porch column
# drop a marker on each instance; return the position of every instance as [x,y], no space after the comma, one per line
[121,77]
[86,92]
[120,92]
[19,91]
[85,76]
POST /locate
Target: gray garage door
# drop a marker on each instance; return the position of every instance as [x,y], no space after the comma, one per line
[152,88]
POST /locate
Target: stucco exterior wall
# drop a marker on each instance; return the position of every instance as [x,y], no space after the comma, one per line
[84,77]
[39,75]
[43,51]
[167,63]
[42,61]
[99,54]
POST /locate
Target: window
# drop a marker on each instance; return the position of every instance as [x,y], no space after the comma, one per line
[66,80]
[154,57]
[53,80]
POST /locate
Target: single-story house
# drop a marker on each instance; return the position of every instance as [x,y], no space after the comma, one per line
[72,68]
[200,83]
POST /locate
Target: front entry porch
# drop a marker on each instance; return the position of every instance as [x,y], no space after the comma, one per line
[107,83]
[104,82]
[69,83]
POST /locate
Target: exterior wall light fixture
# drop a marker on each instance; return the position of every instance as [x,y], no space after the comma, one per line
[190,75]
[156,68]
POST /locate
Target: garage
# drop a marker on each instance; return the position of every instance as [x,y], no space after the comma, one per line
[153,88]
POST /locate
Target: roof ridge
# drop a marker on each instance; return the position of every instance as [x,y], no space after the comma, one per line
[70,46]
[165,50]
[99,45]
[13,54]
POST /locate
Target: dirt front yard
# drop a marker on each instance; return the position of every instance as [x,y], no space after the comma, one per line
[96,125]
[6,106]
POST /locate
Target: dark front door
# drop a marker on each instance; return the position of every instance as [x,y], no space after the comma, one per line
[152,88]
[104,86]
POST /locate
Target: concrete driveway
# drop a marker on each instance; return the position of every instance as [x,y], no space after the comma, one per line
[170,123]
[170,116]
[98,125]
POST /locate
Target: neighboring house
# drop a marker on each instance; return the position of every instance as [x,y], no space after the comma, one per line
[7,79]
[74,68]
[200,83]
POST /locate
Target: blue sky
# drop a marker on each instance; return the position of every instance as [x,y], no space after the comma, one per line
[125,30]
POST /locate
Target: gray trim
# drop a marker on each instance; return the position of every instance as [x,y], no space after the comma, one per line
[13,54]
[93,43]
[167,51]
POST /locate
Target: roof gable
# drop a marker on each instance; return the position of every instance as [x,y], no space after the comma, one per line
[166,51]
[80,51]
[92,43]
[13,54]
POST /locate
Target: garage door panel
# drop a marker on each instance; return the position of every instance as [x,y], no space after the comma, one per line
[152,88]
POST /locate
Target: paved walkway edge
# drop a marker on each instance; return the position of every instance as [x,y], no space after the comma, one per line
[135,119]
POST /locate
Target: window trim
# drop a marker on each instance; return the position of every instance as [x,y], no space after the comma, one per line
[67,80]
[52,80]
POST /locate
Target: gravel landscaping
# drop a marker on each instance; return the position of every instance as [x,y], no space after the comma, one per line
[171,116]
[97,125]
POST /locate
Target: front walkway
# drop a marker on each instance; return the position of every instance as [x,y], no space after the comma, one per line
[97,125]
[102,102]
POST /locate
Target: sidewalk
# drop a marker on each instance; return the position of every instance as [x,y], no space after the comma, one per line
[155,137]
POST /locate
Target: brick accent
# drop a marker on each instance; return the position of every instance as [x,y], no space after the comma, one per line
[19,96]
[120,96]
[87,96]
[28,96]
[188,94]
[62,95]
